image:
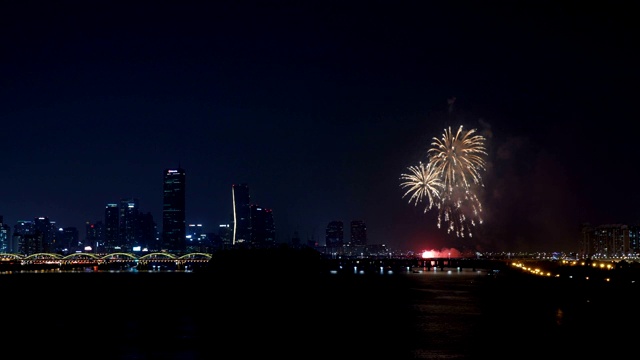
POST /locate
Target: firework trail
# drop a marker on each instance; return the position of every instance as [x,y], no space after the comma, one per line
[423,182]
[449,180]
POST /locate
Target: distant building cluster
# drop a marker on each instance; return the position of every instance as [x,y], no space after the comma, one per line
[357,246]
[125,228]
[610,241]
[253,225]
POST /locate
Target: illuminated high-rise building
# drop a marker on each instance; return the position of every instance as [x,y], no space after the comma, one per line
[44,230]
[225,234]
[197,238]
[263,232]
[241,213]
[173,211]
[148,233]
[94,235]
[634,239]
[71,237]
[5,237]
[335,234]
[129,210]
[358,233]
[111,225]
[24,238]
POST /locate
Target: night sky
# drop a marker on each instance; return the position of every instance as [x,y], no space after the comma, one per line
[320,106]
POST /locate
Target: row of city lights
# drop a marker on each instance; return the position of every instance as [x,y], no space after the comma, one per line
[538,271]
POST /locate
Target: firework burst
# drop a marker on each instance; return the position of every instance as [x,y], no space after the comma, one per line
[422,183]
[459,159]
[450,179]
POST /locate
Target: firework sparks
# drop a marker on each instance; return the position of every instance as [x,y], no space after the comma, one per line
[459,159]
[423,182]
[449,180]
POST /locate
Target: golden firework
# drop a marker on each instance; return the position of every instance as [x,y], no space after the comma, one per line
[423,182]
[450,180]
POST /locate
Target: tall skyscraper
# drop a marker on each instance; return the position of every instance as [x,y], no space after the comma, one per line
[147,232]
[128,210]
[225,234]
[241,213]
[111,225]
[71,237]
[335,234]
[24,238]
[94,235]
[358,233]
[263,231]
[44,230]
[5,237]
[173,211]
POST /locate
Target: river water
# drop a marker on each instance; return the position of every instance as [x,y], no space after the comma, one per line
[436,314]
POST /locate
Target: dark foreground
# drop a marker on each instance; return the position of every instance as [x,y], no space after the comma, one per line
[431,315]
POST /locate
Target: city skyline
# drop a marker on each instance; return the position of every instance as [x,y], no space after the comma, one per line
[247,221]
[320,108]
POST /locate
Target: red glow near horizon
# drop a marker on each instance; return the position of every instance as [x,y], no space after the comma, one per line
[428,254]
[444,253]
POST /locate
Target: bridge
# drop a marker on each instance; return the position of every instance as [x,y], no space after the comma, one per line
[400,265]
[192,261]
[117,260]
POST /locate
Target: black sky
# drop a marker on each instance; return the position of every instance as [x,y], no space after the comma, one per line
[319,107]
